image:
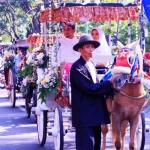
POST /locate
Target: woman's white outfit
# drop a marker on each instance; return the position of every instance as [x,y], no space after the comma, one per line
[103,49]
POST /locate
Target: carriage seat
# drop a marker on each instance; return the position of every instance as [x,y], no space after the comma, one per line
[101,71]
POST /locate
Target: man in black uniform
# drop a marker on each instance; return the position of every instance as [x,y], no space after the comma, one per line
[88,95]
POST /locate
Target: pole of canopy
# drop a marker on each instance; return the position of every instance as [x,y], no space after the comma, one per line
[57,44]
[86,27]
[110,37]
[136,31]
[129,30]
[45,37]
[44,29]
[142,21]
[118,24]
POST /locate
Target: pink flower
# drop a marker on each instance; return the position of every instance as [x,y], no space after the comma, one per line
[40,61]
[24,82]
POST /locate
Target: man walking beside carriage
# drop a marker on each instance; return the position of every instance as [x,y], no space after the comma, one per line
[89,110]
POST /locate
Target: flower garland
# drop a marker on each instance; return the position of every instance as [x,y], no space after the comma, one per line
[49,81]
[9,59]
[115,50]
[28,72]
[42,59]
[35,58]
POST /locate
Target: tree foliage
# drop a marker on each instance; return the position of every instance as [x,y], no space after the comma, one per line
[19,18]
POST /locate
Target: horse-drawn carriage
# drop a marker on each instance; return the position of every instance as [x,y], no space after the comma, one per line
[11,80]
[54,97]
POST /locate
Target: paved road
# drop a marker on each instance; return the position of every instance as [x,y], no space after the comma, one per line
[20,133]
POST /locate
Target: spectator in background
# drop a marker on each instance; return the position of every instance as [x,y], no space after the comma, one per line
[18,58]
[146,63]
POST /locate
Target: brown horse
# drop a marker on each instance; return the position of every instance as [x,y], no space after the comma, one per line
[128,100]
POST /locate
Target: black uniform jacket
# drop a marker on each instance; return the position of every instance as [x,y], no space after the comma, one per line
[88,98]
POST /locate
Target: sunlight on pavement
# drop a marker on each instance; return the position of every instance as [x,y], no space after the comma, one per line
[25,135]
[4,129]
[5,104]
[26,125]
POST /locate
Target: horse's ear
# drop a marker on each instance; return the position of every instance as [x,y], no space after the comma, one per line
[134,44]
[120,45]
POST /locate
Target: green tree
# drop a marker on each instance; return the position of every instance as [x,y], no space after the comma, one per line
[19,18]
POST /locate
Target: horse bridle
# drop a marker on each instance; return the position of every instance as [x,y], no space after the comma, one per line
[129,80]
[132,97]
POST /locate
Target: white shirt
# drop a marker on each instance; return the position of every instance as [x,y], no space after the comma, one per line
[66,48]
[92,70]
[18,59]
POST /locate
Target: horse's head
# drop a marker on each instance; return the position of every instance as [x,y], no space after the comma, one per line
[127,63]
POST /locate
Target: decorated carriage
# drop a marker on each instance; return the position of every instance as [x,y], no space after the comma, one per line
[3,47]
[53,110]
[10,79]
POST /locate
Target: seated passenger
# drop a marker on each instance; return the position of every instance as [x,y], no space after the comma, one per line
[98,35]
[66,46]
[68,41]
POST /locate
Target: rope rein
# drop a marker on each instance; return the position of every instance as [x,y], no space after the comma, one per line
[132,97]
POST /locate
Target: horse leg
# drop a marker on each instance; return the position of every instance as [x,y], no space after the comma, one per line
[123,132]
[116,128]
[133,127]
[109,104]
[104,130]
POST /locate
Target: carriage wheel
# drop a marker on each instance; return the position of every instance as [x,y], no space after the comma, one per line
[35,100]
[28,108]
[58,125]
[11,85]
[34,97]
[29,92]
[42,127]
[140,133]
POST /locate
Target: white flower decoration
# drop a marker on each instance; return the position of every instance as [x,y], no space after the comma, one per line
[47,78]
[40,74]
[24,82]
[40,56]
[29,60]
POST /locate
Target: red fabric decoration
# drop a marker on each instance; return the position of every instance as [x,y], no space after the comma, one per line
[122,58]
[147,55]
[93,13]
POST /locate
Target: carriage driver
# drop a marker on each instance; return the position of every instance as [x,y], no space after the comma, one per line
[68,41]
[88,95]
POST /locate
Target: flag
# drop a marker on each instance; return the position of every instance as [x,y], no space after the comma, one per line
[146,5]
